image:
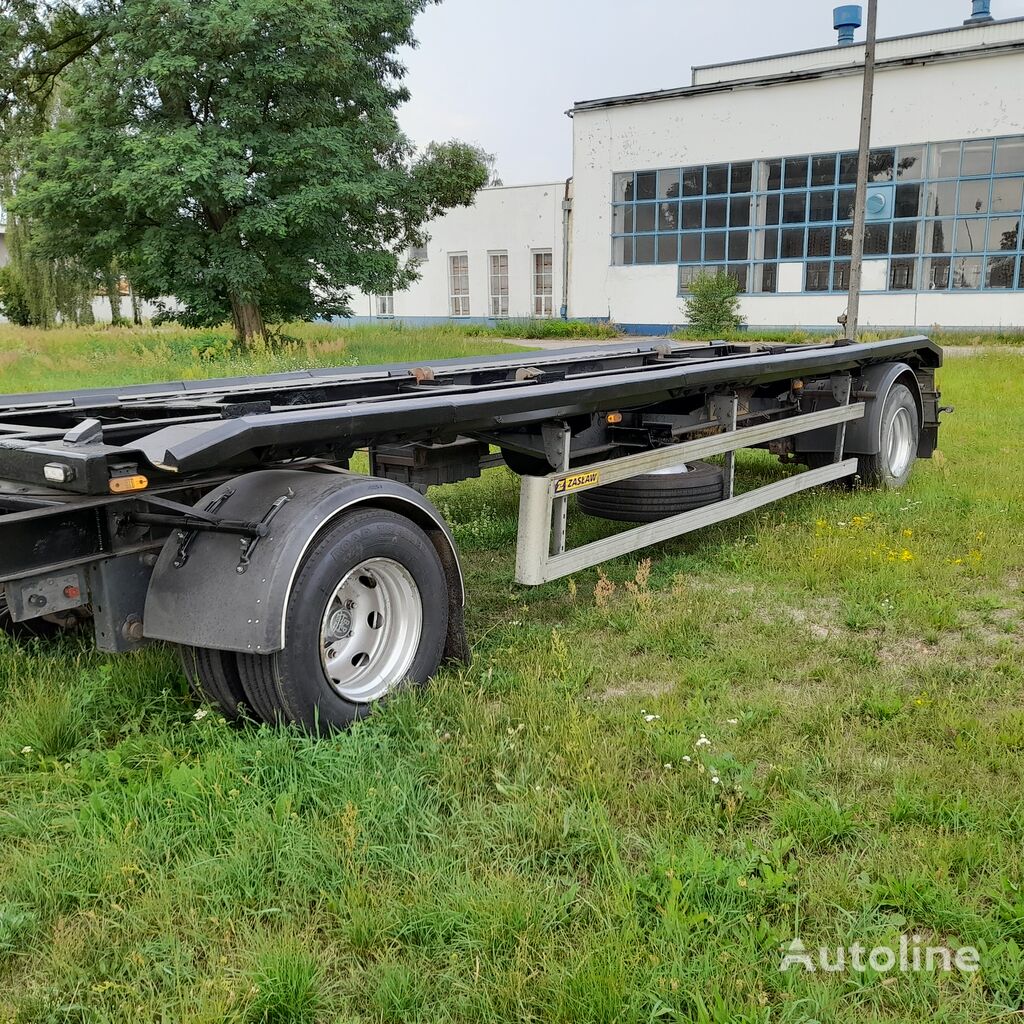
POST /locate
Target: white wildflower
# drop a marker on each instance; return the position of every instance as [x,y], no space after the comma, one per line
[201,714]
[26,750]
[703,741]
[652,718]
[732,721]
[715,779]
[668,765]
[686,758]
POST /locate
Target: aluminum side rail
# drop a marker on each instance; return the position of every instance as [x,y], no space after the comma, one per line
[541,554]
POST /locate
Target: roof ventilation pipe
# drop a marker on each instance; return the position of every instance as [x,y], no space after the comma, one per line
[982,12]
[847,20]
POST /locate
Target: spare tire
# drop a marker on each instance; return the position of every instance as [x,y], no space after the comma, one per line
[658,495]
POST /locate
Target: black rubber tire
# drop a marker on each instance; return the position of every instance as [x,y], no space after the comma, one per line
[876,470]
[213,677]
[654,496]
[291,684]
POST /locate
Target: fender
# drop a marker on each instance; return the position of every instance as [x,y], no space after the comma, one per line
[226,598]
[863,437]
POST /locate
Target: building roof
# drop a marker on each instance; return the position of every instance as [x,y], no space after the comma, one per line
[960,43]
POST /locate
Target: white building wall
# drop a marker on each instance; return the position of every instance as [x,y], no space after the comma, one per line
[971,98]
[519,220]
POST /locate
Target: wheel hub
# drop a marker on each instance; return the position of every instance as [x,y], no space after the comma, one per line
[371,630]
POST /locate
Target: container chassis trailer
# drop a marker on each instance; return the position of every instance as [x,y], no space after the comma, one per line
[221,516]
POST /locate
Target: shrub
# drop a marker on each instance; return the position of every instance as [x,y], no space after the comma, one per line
[713,305]
[13,300]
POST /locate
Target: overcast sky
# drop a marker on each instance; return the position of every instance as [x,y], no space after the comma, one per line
[502,73]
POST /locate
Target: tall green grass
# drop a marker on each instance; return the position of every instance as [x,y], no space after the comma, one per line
[541,836]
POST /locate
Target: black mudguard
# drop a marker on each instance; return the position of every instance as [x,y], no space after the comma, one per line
[225,597]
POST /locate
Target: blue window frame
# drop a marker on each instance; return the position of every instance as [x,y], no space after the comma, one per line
[942,216]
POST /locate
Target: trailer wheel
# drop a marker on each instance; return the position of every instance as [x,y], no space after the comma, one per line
[654,496]
[213,677]
[899,435]
[368,612]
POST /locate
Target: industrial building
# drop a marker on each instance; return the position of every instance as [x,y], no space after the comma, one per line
[750,169]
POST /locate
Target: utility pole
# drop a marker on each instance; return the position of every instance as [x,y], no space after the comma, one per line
[860,206]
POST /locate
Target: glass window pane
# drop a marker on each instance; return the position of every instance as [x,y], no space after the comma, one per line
[974,196]
[742,177]
[718,179]
[668,184]
[967,272]
[668,217]
[910,162]
[691,248]
[819,242]
[797,169]
[939,237]
[772,208]
[876,240]
[1003,234]
[645,248]
[770,243]
[936,274]
[970,235]
[645,217]
[1000,271]
[774,175]
[622,220]
[622,251]
[946,157]
[840,277]
[847,204]
[716,212]
[977,159]
[823,170]
[765,278]
[817,279]
[739,245]
[793,243]
[881,165]
[686,276]
[901,275]
[844,241]
[794,208]
[848,169]
[1010,156]
[693,215]
[823,205]
[908,200]
[904,238]
[647,185]
[796,172]
[668,248]
[739,213]
[739,275]
[622,188]
[693,181]
[941,200]
[1006,194]
[714,245]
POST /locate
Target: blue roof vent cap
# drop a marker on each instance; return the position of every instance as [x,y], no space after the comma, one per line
[982,12]
[848,19]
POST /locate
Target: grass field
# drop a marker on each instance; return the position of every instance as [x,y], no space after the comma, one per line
[808,722]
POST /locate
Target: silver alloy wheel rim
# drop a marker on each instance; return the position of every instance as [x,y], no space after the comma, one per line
[371,630]
[901,442]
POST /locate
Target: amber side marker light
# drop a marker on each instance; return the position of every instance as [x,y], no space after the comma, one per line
[614,417]
[123,484]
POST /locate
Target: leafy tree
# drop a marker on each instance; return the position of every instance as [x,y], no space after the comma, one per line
[713,306]
[241,155]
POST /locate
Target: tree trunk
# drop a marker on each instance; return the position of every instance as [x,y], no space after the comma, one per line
[250,330]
